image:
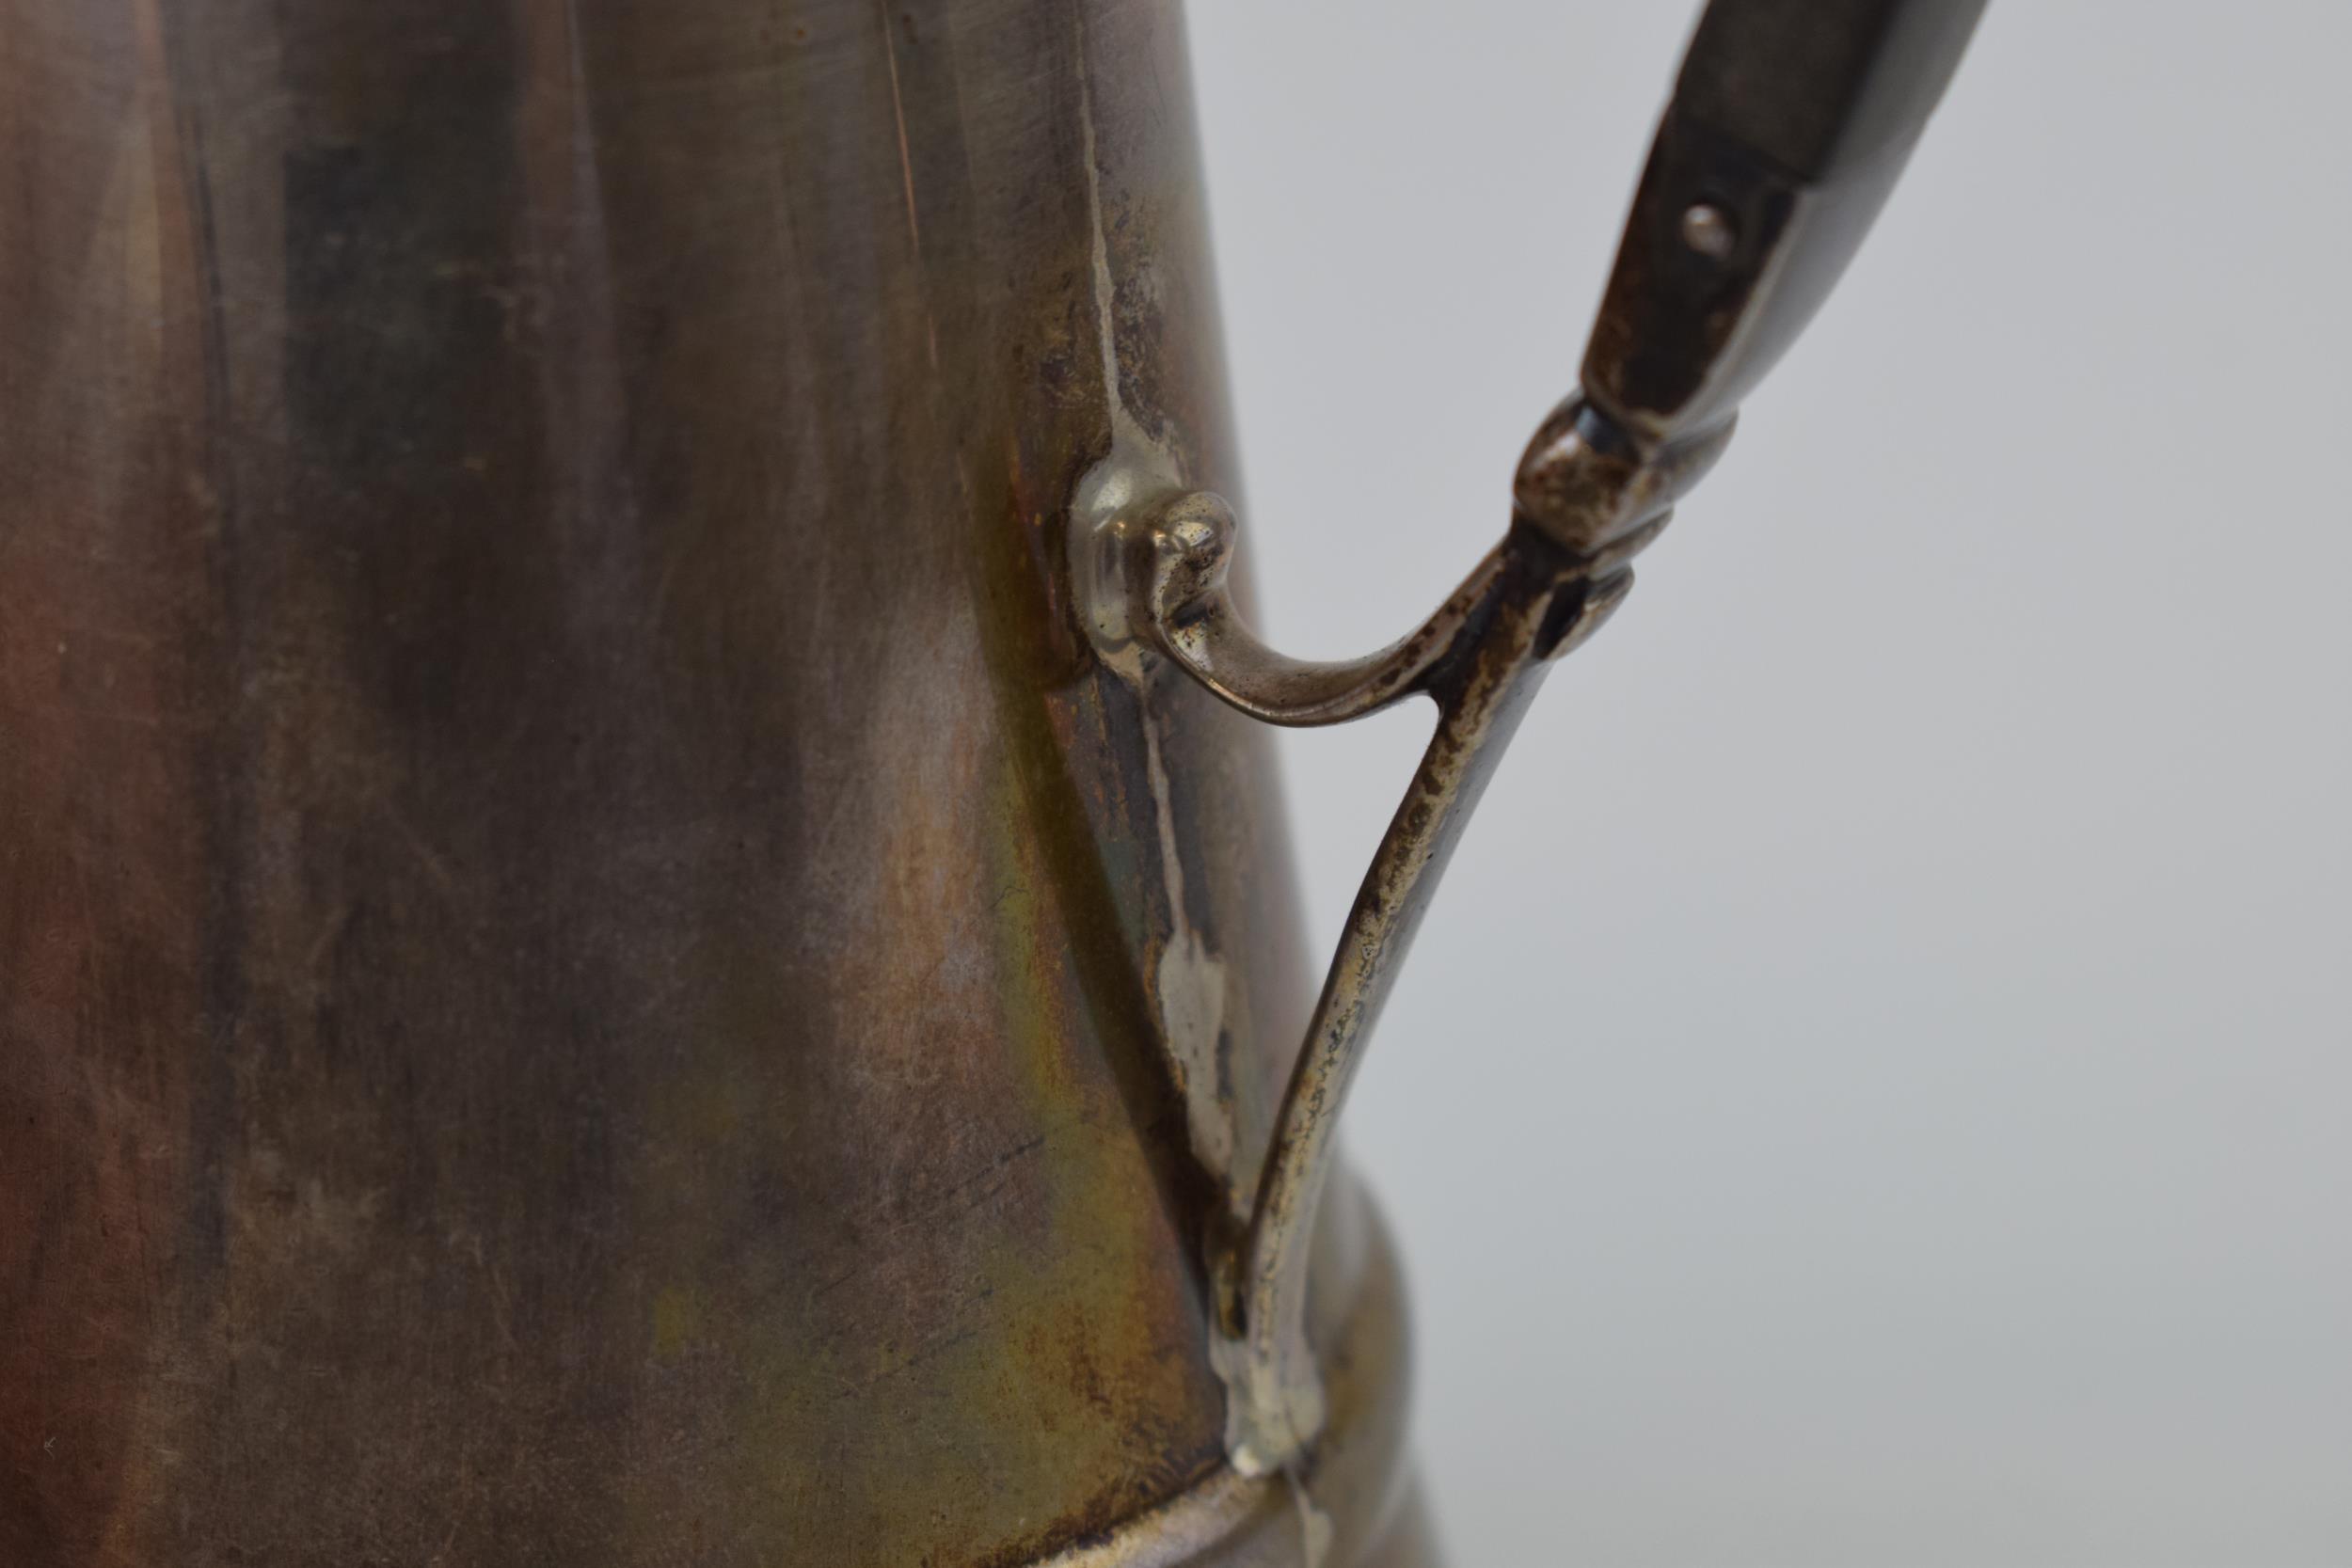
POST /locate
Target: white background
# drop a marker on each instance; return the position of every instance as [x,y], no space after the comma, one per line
[1877,1087]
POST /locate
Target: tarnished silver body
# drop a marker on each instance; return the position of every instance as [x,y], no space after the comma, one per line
[593,967]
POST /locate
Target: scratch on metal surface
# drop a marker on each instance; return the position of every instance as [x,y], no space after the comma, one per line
[906,175]
[898,111]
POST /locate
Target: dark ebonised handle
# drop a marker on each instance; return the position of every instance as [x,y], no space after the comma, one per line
[1789,123]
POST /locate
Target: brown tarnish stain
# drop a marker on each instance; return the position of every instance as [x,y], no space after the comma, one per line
[587,943]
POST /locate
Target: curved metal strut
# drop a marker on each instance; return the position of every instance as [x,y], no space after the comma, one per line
[1481,657]
[1789,123]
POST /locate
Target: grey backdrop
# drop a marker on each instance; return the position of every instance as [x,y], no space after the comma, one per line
[1876,1087]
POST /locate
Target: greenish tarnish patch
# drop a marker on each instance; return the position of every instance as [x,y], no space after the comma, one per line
[678,1317]
[1101,1335]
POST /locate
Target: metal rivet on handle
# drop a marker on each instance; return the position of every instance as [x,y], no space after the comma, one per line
[1707,229]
